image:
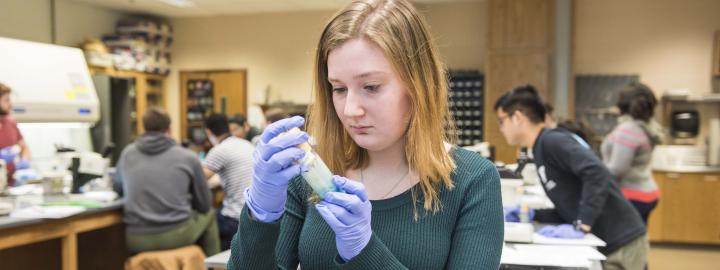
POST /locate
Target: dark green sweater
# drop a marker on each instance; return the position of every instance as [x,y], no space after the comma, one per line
[466,234]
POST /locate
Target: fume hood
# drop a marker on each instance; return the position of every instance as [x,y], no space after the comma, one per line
[49,83]
[54,98]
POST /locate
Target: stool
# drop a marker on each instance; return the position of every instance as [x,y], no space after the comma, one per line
[183,258]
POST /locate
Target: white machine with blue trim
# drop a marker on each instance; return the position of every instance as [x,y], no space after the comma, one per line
[55,104]
[50,83]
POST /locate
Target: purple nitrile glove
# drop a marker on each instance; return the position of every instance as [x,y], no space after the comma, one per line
[512,214]
[561,231]
[348,214]
[22,164]
[7,155]
[273,168]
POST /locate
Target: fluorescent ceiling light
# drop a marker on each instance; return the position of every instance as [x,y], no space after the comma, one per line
[179,3]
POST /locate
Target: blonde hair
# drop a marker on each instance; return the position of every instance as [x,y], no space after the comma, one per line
[397,28]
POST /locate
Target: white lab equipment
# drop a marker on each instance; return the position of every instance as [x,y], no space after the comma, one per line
[50,83]
[511,191]
[518,232]
[55,101]
[84,167]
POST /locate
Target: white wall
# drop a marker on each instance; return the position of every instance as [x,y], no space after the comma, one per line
[277,49]
[31,20]
[668,42]
[77,21]
[25,19]
[460,31]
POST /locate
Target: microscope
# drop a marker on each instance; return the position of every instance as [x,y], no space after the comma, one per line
[84,166]
[522,161]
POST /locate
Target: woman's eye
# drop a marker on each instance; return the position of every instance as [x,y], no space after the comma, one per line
[372,87]
[339,89]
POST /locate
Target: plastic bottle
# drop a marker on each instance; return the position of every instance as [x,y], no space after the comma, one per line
[524,212]
[316,173]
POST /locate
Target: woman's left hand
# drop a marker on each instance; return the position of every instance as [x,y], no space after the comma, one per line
[348,214]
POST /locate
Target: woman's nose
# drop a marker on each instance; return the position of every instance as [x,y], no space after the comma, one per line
[353,104]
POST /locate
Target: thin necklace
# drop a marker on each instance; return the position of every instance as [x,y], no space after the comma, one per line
[362,180]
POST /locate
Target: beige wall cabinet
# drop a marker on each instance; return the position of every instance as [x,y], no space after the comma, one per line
[687,212]
[716,55]
[520,38]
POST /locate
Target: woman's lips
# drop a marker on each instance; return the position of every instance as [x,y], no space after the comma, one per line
[360,129]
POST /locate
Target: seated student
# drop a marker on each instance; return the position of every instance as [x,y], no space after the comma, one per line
[231,158]
[584,192]
[238,126]
[167,201]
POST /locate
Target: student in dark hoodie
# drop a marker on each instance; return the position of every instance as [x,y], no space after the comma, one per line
[167,201]
[583,190]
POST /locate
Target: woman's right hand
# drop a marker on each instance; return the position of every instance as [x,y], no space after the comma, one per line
[274,167]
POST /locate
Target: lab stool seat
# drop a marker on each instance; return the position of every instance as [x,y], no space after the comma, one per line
[183,258]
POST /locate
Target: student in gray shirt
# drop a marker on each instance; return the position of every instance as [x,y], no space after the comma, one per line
[627,150]
[231,158]
[167,201]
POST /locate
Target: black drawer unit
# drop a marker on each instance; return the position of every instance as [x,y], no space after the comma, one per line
[466,105]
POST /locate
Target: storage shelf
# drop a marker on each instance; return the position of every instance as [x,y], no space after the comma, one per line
[126,73]
[145,93]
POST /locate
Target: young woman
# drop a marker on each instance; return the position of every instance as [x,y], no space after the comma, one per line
[380,117]
[627,150]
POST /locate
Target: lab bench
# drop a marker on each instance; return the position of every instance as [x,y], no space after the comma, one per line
[540,253]
[91,239]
